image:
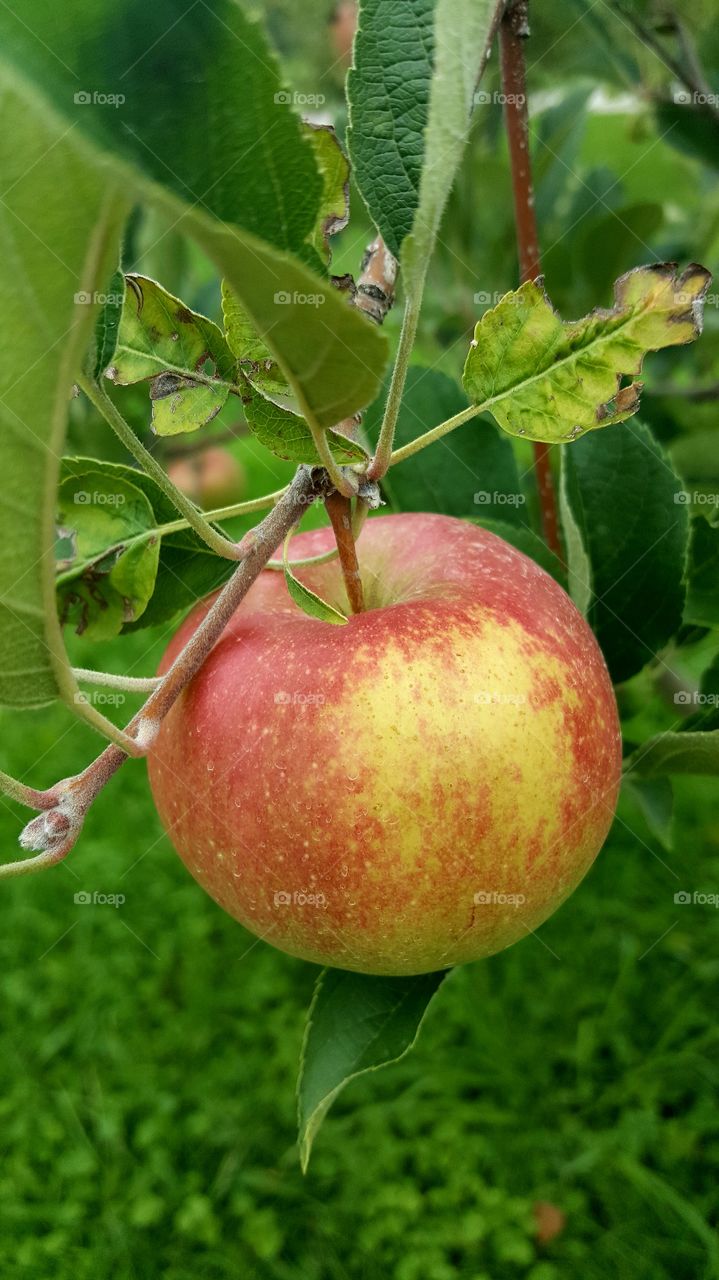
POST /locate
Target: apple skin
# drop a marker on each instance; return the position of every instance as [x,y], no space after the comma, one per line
[378,796]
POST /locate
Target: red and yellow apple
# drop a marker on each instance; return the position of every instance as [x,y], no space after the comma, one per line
[418,788]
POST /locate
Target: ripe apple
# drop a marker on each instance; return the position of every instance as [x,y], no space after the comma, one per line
[418,788]
[343,24]
[212,477]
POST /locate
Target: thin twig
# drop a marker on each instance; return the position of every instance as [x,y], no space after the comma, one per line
[55,831]
[130,684]
[514,30]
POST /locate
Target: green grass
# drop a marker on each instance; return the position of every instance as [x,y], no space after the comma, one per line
[148,1061]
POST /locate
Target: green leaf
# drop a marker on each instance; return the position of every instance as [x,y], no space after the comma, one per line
[705,701]
[463,35]
[691,128]
[526,540]
[579,566]
[252,354]
[620,492]
[549,380]
[334,167]
[305,599]
[654,797]
[416,67]
[60,222]
[471,472]
[192,98]
[355,1024]
[160,338]
[108,324]
[702,603]
[289,437]
[296,312]
[110,576]
[247,190]
[187,570]
[272,414]
[676,753]
[388,96]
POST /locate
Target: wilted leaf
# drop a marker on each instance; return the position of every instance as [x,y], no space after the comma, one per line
[549,380]
[184,353]
[355,1024]
[187,570]
[110,525]
[334,167]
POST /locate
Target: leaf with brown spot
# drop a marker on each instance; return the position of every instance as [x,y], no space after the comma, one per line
[553,381]
[161,339]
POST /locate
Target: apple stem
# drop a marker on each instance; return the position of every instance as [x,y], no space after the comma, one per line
[339,510]
[513,31]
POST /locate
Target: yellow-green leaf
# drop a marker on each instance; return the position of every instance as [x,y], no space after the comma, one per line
[334,168]
[184,353]
[549,380]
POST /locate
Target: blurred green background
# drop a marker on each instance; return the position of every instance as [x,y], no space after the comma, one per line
[149,1050]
